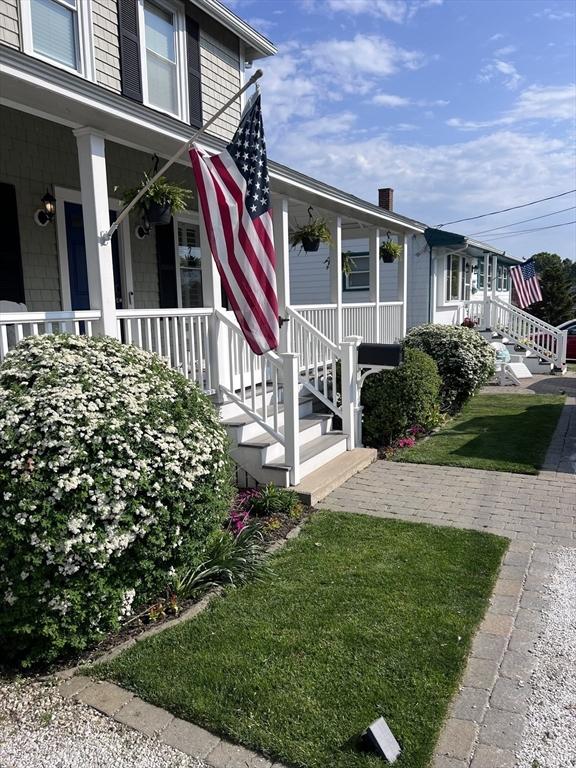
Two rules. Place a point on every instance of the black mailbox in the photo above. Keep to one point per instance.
(384, 355)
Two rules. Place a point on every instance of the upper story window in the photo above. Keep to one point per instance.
(58, 31)
(359, 278)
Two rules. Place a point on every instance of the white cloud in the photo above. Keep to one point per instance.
(497, 36)
(506, 51)
(397, 11)
(554, 15)
(265, 26)
(504, 70)
(390, 100)
(548, 103)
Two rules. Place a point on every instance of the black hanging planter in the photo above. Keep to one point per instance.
(310, 244)
(158, 213)
(388, 258)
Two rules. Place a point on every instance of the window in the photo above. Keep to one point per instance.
(189, 263)
(58, 31)
(458, 278)
(359, 278)
(163, 57)
(502, 283)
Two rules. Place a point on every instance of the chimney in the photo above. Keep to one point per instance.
(386, 198)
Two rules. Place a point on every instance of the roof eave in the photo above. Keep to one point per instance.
(258, 46)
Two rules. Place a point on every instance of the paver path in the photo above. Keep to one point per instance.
(538, 514)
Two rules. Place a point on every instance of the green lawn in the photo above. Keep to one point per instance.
(510, 433)
(364, 617)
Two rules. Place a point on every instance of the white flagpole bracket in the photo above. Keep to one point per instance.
(106, 236)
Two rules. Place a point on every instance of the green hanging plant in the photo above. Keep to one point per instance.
(310, 235)
(161, 200)
(390, 251)
(348, 263)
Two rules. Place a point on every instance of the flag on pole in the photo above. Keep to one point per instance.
(234, 193)
(526, 284)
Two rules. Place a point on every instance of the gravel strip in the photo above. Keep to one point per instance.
(41, 729)
(549, 738)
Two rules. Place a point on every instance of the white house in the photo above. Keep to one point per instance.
(89, 92)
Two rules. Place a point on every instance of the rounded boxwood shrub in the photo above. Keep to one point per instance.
(401, 398)
(113, 471)
(465, 360)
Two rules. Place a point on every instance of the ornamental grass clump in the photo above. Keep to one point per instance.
(465, 360)
(114, 471)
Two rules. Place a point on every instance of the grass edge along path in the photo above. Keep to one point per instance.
(506, 433)
(364, 617)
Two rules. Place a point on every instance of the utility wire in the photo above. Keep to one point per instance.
(522, 221)
(535, 229)
(505, 210)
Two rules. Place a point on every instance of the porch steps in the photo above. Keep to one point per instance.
(318, 484)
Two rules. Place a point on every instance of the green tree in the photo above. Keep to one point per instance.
(558, 299)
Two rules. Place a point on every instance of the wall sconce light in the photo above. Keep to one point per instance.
(47, 213)
(142, 230)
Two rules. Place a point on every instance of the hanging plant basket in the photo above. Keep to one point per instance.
(389, 251)
(310, 244)
(309, 236)
(158, 213)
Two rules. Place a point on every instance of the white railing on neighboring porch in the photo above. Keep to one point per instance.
(529, 332)
(382, 325)
(181, 336)
(14, 326)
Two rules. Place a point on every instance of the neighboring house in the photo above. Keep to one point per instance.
(90, 90)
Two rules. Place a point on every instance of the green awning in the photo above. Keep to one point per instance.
(438, 238)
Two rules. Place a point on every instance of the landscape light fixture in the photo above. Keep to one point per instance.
(47, 213)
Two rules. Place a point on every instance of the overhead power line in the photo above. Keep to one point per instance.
(522, 221)
(505, 210)
(535, 229)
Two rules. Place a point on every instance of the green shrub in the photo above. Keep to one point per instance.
(401, 398)
(272, 500)
(113, 472)
(465, 360)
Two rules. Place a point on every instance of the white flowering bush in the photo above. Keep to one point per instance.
(465, 360)
(113, 472)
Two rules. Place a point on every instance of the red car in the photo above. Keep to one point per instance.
(570, 326)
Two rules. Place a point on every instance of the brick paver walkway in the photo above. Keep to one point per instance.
(538, 514)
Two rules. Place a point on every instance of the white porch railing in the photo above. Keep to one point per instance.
(475, 310)
(14, 326)
(181, 336)
(357, 320)
(529, 332)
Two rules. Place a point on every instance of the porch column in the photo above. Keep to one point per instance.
(96, 217)
(487, 320)
(282, 247)
(494, 286)
(336, 273)
(403, 283)
(374, 248)
(212, 297)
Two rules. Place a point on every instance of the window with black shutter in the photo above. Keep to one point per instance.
(11, 279)
(130, 64)
(194, 82)
(166, 265)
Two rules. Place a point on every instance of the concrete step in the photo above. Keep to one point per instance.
(318, 484)
(315, 454)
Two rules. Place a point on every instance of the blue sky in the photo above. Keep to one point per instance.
(462, 106)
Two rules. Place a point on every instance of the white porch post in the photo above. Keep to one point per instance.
(96, 217)
(291, 366)
(403, 283)
(494, 286)
(282, 247)
(374, 248)
(487, 319)
(212, 297)
(349, 349)
(336, 273)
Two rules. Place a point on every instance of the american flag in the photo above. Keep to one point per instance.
(234, 192)
(526, 284)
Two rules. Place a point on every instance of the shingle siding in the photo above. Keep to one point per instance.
(106, 47)
(220, 69)
(9, 28)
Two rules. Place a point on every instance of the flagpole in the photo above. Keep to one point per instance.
(105, 236)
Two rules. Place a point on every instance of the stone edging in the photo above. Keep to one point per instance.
(126, 708)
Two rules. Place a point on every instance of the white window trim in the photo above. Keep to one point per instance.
(352, 289)
(187, 217)
(177, 10)
(87, 64)
(65, 195)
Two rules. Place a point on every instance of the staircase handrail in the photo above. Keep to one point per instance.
(293, 314)
(532, 318)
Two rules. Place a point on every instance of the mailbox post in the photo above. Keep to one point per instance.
(373, 358)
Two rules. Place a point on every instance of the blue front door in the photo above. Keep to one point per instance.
(77, 270)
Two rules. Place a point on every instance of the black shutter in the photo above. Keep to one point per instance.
(129, 49)
(193, 56)
(11, 279)
(166, 265)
